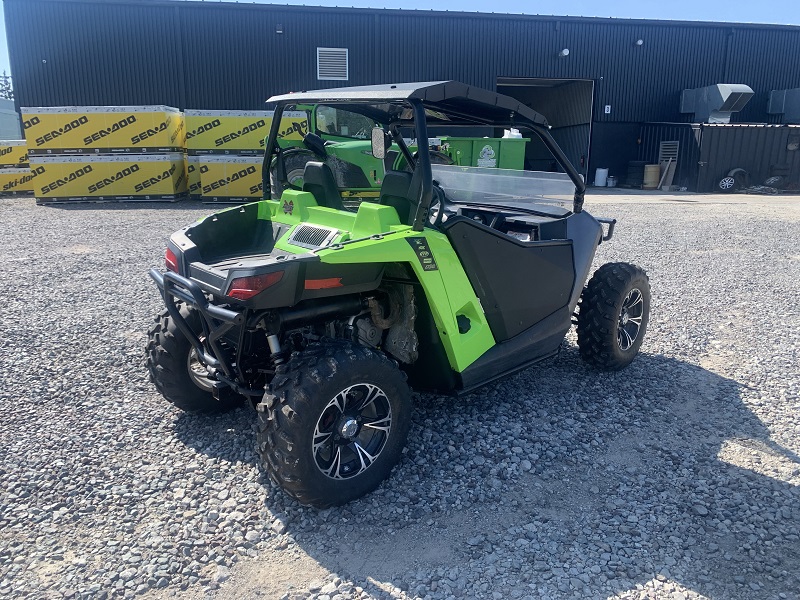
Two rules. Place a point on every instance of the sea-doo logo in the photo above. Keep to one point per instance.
(225, 181)
(203, 128)
(138, 139)
(140, 187)
(100, 134)
(52, 187)
(49, 137)
(301, 128)
(237, 134)
(116, 177)
(255, 189)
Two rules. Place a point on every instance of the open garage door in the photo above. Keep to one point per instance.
(567, 104)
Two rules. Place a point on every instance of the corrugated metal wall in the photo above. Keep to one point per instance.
(761, 150)
(688, 137)
(211, 55)
(708, 152)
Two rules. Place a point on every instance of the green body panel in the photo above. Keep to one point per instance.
(446, 286)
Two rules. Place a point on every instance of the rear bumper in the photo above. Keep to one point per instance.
(216, 322)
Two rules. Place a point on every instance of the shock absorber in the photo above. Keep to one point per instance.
(276, 352)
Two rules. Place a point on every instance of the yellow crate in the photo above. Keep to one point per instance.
(237, 132)
(193, 176)
(231, 178)
(103, 129)
(13, 153)
(15, 181)
(124, 177)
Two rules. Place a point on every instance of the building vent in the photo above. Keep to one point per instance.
(332, 63)
(786, 103)
(715, 103)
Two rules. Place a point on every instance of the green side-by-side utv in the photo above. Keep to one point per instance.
(325, 318)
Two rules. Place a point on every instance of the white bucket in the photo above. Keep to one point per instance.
(612, 181)
(600, 177)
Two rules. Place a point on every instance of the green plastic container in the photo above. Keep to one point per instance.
(502, 153)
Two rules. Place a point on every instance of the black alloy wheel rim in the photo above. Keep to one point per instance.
(630, 319)
(352, 431)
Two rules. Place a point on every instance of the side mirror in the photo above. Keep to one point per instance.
(378, 143)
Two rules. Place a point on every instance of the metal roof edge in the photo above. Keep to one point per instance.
(428, 13)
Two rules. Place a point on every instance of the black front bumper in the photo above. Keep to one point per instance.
(216, 322)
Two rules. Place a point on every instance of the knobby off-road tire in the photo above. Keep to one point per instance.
(333, 423)
(169, 356)
(613, 315)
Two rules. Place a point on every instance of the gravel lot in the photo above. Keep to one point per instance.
(676, 478)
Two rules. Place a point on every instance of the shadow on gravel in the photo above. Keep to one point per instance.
(652, 476)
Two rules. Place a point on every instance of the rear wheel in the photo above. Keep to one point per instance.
(176, 370)
(333, 423)
(613, 315)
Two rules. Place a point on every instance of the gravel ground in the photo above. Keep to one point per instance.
(678, 477)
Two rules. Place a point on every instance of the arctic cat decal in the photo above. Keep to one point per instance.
(423, 252)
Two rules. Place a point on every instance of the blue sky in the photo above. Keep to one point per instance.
(786, 12)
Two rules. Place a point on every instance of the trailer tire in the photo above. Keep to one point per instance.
(169, 361)
(316, 440)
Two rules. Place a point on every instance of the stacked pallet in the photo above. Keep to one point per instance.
(225, 151)
(106, 153)
(15, 172)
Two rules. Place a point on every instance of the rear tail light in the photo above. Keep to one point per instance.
(244, 288)
(171, 260)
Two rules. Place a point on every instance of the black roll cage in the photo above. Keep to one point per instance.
(423, 161)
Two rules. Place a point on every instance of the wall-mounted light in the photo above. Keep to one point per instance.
(564, 53)
(279, 28)
(638, 42)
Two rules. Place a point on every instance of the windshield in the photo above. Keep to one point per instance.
(487, 185)
(343, 123)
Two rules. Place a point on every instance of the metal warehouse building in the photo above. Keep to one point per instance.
(607, 86)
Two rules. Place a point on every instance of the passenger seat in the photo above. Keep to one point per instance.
(319, 180)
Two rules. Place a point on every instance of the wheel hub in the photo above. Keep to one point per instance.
(348, 428)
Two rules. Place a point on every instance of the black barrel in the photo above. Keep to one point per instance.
(635, 176)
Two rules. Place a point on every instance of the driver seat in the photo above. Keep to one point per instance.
(319, 180)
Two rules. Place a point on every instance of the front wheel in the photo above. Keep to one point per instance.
(333, 423)
(614, 310)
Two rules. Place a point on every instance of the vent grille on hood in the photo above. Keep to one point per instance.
(312, 236)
